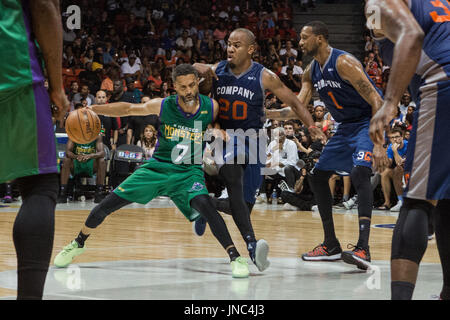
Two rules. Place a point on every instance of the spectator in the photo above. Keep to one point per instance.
(108, 82)
(405, 103)
(74, 87)
(185, 44)
(83, 94)
(119, 94)
(137, 94)
(282, 158)
(296, 70)
(136, 124)
(148, 141)
(374, 71)
(396, 153)
(291, 80)
(109, 124)
(130, 68)
(288, 51)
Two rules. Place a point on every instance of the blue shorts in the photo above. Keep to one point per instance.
(427, 166)
(349, 147)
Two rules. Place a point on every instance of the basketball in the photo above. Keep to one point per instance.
(83, 126)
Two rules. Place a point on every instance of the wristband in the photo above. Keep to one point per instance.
(309, 128)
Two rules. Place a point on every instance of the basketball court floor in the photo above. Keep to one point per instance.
(150, 252)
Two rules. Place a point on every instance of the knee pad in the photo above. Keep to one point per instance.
(110, 204)
(410, 237)
(96, 217)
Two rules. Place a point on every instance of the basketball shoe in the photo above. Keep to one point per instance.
(65, 257)
(358, 256)
(258, 251)
(239, 268)
(322, 253)
(199, 226)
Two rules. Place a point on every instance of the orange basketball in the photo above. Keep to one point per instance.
(83, 126)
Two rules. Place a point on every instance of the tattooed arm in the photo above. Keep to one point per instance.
(351, 70)
(281, 114)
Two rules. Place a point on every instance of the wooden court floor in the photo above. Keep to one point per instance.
(143, 233)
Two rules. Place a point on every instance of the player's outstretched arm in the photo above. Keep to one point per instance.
(304, 96)
(281, 114)
(273, 83)
(399, 25)
(123, 109)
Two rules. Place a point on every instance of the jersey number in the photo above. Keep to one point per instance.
(334, 100)
(184, 149)
(224, 106)
(434, 15)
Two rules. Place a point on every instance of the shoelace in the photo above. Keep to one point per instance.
(319, 250)
(357, 250)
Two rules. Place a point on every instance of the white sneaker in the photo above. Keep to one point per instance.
(315, 208)
(350, 203)
(284, 186)
(397, 207)
(261, 198)
(224, 194)
(289, 207)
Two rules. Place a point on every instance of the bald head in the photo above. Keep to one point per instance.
(249, 36)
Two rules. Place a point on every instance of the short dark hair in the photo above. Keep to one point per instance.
(183, 69)
(288, 123)
(397, 129)
(319, 28)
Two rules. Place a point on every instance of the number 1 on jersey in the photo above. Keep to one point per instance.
(334, 100)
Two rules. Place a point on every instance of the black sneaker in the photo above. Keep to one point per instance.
(99, 196)
(199, 226)
(358, 256)
(322, 253)
(62, 198)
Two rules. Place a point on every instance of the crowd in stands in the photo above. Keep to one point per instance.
(125, 51)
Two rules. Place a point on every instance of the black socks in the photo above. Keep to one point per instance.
(81, 239)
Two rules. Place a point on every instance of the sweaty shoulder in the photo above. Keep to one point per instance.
(270, 79)
(346, 65)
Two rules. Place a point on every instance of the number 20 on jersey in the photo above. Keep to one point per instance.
(238, 109)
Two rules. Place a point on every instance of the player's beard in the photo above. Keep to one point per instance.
(313, 52)
(190, 101)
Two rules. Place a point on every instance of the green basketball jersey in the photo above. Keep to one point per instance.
(180, 135)
(21, 63)
(86, 148)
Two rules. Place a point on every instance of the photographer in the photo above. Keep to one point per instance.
(301, 197)
(282, 157)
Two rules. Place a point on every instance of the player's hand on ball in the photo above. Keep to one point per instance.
(62, 104)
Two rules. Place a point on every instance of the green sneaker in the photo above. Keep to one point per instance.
(239, 268)
(65, 257)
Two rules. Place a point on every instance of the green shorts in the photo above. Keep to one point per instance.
(27, 137)
(156, 178)
(86, 167)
